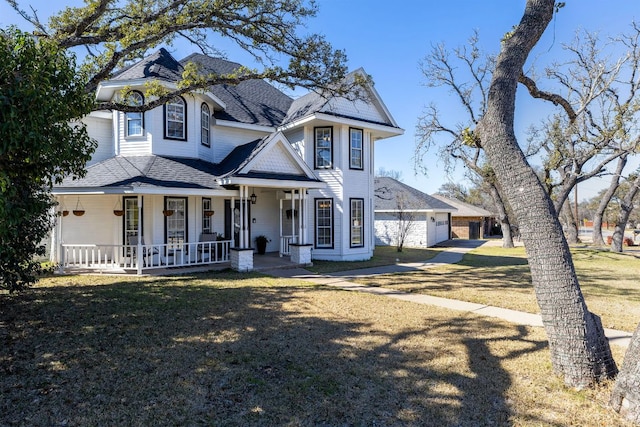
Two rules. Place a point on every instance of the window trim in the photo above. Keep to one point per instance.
(202, 125)
(125, 199)
(126, 117)
(351, 219)
(184, 122)
(206, 219)
(351, 166)
(315, 147)
(315, 213)
(186, 219)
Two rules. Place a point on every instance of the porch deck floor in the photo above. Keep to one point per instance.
(266, 262)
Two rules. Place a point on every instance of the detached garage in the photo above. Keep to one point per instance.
(468, 221)
(402, 212)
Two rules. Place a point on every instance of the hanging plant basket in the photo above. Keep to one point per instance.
(79, 210)
(208, 213)
(167, 212)
(64, 213)
(117, 209)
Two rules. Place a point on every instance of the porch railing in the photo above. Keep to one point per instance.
(124, 257)
(285, 242)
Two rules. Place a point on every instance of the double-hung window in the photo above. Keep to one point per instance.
(205, 122)
(175, 119)
(357, 218)
(176, 222)
(324, 223)
(134, 121)
(356, 150)
(206, 219)
(323, 148)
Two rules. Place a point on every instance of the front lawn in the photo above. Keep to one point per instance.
(382, 255)
(500, 277)
(229, 349)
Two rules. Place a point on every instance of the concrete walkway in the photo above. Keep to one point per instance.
(452, 254)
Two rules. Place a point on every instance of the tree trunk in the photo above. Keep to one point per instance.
(625, 211)
(579, 350)
(505, 224)
(606, 198)
(625, 397)
(571, 226)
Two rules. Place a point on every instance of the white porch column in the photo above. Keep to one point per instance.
(280, 223)
(305, 227)
(233, 225)
(247, 243)
(139, 249)
(300, 217)
(241, 219)
(293, 216)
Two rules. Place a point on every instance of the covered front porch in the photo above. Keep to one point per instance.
(100, 232)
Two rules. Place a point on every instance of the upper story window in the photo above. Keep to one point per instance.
(323, 148)
(134, 122)
(355, 144)
(205, 125)
(175, 119)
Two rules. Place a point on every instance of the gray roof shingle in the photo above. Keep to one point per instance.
(147, 171)
(464, 209)
(160, 65)
(389, 192)
(252, 101)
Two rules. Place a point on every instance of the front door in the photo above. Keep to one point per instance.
(232, 220)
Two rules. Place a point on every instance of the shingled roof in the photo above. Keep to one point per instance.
(464, 209)
(388, 192)
(147, 171)
(252, 101)
(159, 65)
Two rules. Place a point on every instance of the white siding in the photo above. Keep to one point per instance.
(102, 131)
(98, 225)
(277, 160)
(225, 139)
(386, 226)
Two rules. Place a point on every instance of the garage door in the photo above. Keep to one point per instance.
(442, 227)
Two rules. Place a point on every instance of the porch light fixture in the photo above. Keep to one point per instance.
(433, 219)
(253, 198)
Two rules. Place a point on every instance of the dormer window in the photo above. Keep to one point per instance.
(134, 122)
(205, 125)
(175, 119)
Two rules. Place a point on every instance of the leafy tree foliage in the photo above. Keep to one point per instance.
(115, 33)
(40, 95)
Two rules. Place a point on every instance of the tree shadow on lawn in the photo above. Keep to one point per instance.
(184, 352)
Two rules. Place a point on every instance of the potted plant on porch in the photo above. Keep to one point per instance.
(261, 243)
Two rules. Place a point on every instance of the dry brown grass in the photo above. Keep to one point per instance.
(237, 350)
(500, 277)
(383, 255)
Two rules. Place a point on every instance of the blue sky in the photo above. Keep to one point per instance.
(388, 39)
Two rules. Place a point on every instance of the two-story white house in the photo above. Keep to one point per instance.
(197, 180)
